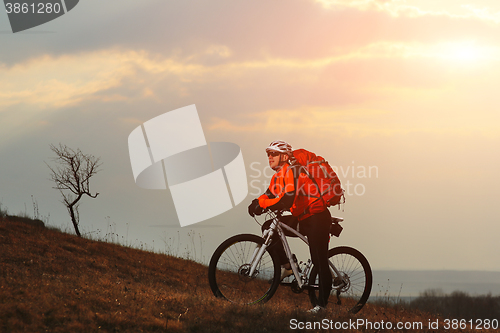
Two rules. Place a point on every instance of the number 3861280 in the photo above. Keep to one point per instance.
(39, 8)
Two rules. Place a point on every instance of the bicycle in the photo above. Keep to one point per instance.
(243, 270)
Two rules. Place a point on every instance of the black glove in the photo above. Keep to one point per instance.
(255, 208)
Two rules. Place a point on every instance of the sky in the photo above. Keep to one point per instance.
(401, 97)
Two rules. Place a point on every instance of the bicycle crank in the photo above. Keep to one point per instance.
(342, 283)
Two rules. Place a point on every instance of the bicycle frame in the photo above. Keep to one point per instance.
(278, 226)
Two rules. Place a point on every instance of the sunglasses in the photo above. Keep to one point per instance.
(273, 154)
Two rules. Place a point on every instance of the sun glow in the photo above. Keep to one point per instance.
(466, 52)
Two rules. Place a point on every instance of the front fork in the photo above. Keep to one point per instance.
(259, 251)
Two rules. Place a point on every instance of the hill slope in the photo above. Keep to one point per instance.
(56, 282)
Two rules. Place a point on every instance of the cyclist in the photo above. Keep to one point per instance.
(284, 194)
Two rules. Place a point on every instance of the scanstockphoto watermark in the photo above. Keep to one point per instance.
(353, 177)
(364, 324)
(358, 324)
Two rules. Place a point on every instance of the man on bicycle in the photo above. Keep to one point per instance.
(284, 194)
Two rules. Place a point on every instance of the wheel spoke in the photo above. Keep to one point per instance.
(230, 266)
(355, 270)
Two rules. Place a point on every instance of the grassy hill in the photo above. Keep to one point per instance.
(55, 282)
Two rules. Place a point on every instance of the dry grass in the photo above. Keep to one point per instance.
(56, 282)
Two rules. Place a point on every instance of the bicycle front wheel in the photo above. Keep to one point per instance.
(353, 285)
(229, 271)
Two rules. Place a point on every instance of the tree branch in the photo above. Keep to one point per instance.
(72, 173)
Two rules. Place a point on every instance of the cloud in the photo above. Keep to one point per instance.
(351, 122)
(309, 119)
(54, 82)
(220, 30)
(337, 85)
(51, 83)
(480, 10)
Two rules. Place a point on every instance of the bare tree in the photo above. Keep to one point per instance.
(72, 175)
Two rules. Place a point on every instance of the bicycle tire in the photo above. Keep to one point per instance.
(229, 266)
(356, 268)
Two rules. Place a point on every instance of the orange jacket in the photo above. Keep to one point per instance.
(281, 191)
(284, 193)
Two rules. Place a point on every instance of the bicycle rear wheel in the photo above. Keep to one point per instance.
(355, 269)
(229, 271)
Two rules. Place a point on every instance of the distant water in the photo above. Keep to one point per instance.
(409, 285)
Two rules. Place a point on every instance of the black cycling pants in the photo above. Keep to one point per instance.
(317, 230)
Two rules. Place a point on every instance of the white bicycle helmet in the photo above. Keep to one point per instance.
(280, 146)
